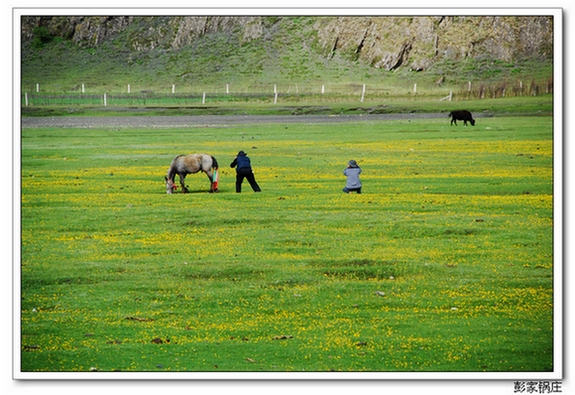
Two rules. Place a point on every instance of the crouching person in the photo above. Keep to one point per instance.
(352, 172)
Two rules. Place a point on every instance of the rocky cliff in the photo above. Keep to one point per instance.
(387, 43)
(392, 42)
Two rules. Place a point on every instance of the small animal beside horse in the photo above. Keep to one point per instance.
(182, 165)
(461, 115)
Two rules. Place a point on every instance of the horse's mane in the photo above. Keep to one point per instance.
(172, 170)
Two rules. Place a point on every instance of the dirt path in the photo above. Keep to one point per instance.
(207, 120)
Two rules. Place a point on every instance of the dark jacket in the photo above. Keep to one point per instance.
(242, 162)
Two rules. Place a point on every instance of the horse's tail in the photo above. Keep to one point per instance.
(214, 163)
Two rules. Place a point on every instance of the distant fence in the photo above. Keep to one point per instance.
(505, 89)
(291, 94)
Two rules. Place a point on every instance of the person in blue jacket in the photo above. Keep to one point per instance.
(352, 172)
(244, 170)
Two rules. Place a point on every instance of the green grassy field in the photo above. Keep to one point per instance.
(444, 263)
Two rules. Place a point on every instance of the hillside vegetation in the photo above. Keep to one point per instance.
(255, 53)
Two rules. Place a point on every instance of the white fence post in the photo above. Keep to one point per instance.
(37, 88)
(322, 89)
(173, 88)
(275, 94)
(105, 100)
(414, 88)
(363, 93)
(448, 97)
(83, 88)
(128, 88)
(228, 89)
(26, 98)
(204, 98)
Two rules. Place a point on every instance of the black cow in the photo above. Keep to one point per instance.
(462, 115)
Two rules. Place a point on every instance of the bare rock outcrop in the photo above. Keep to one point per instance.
(383, 42)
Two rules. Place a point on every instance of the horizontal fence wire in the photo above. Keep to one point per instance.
(289, 94)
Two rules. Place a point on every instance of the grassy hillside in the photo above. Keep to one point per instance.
(287, 54)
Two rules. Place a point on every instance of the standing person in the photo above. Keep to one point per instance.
(352, 172)
(244, 170)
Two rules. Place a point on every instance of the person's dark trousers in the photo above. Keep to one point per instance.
(246, 173)
(349, 190)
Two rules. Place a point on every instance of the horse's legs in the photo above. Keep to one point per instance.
(210, 174)
(182, 182)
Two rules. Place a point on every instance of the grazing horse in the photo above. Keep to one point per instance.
(182, 165)
(462, 115)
